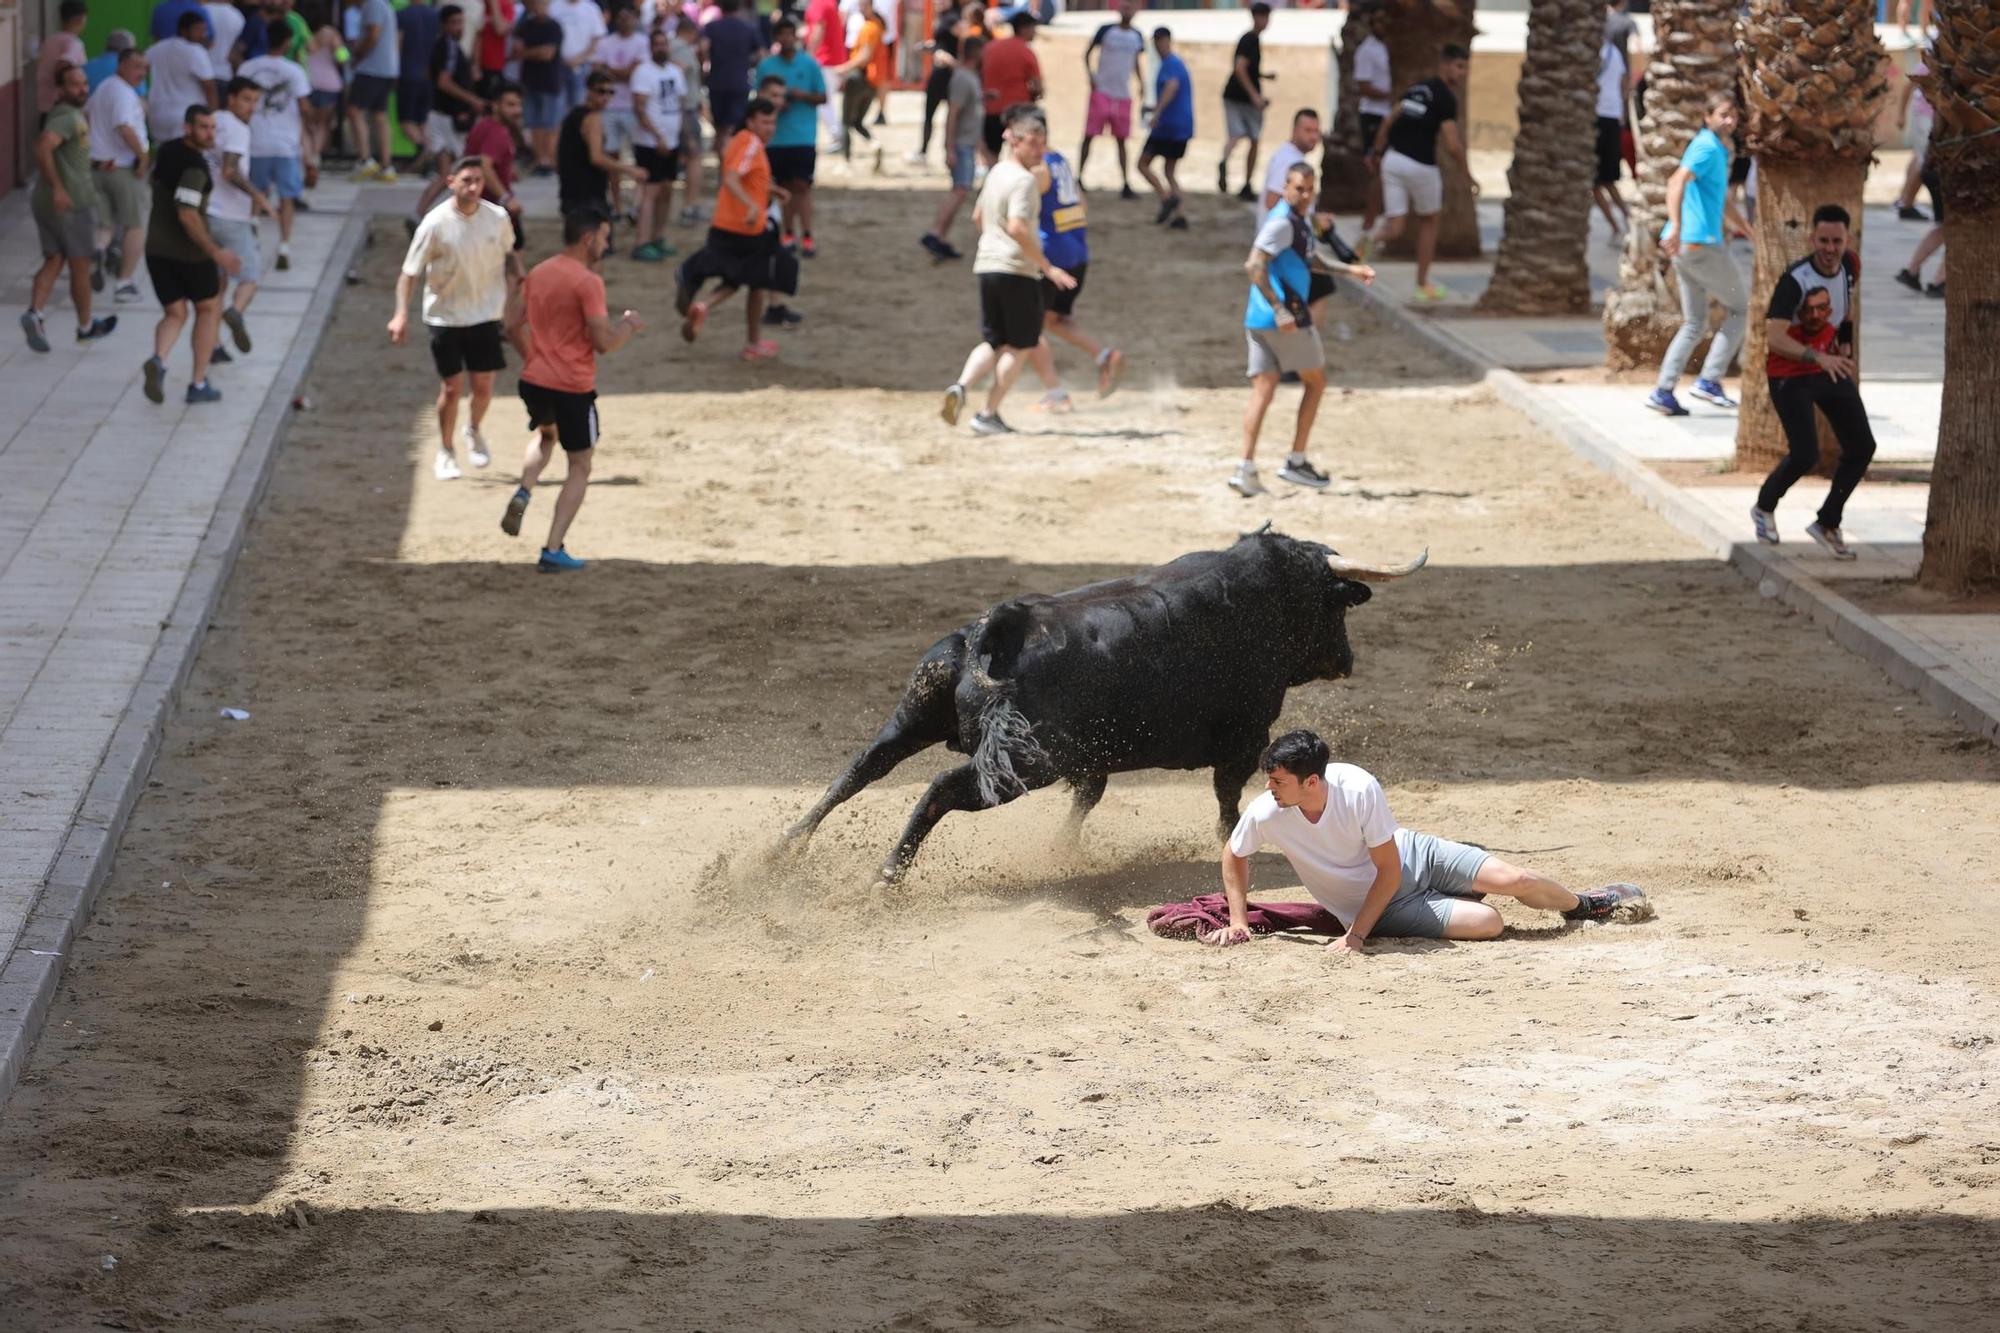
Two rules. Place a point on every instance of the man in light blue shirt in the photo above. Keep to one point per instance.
(1698, 218)
(375, 68)
(794, 145)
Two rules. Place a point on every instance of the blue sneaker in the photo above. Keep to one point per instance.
(558, 560)
(204, 392)
(1664, 402)
(31, 326)
(99, 328)
(1709, 391)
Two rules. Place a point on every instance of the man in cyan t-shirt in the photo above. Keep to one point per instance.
(1699, 217)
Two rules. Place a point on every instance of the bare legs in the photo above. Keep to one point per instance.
(207, 317)
(1262, 389)
(570, 499)
(1530, 888)
(44, 286)
(1005, 364)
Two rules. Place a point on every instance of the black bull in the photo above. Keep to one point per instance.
(1181, 666)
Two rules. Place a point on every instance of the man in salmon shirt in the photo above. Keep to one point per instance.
(560, 327)
(742, 245)
(1011, 75)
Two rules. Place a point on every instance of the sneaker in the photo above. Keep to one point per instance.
(284, 260)
(1709, 391)
(1430, 294)
(1664, 402)
(652, 252)
(445, 467)
(989, 423)
(762, 350)
(1178, 224)
(1626, 901)
(1109, 368)
(97, 272)
(475, 448)
(1765, 524)
(1246, 194)
(783, 317)
(1911, 213)
(1301, 472)
(1127, 192)
(155, 371)
(239, 332)
(954, 403)
(1830, 539)
(683, 292)
(517, 508)
(689, 216)
(808, 248)
(220, 356)
(1934, 289)
(127, 293)
(203, 392)
(697, 315)
(32, 328)
(1167, 207)
(932, 244)
(1056, 400)
(557, 561)
(913, 158)
(366, 170)
(99, 328)
(1222, 178)
(1910, 280)
(1246, 483)
(387, 176)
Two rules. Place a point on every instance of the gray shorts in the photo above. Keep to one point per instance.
(1242, 120)
(1436, 874)
(239, 238)
(71, 235)
(1284, 351)
(123, 197)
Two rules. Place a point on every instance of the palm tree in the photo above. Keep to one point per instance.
(1814, 77)
(1415, 31)
(1694, 59)
(1541, 268)
(1962, 530)
(1343, 175)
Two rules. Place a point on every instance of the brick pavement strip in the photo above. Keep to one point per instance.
(135, 595)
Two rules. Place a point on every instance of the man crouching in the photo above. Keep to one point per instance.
(1333, 824)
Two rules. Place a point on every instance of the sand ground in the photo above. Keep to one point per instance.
(452, 990)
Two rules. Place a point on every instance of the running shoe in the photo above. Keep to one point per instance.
(475, 448)
(808, 248)
(387, 176)
(1664, 402)
(366, 170)
(558, 561)
(1167, 207)
(1127, 192)
(155, 371)
(1910, 213)
(1109, 367)
(1710, 391)
(1178, 224)
(1222, 178)
(1246, 483)
(1624, 900)
(762, 350)
(935, 246)
(1765, 524)
(697, 315)
(652, 252)
(683, 293)
(100, 327)
(284, 260)
(97, 271)
(220, 356)
(517, 508)
(204, 392)
(954, 403)
(239, 332)
(1830, 538)
(1934, 289)
(1430, 294)
(782, 317)
(1910, 280)
(1246, 194)
(127, 293)
(914, 158)
(1301, 472)
(444, 467)
(989, 423)
(1056, 400)
(37, 335)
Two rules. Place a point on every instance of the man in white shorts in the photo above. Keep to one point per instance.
(234, 204)
(1120, 48)
(1332, 822)
(1405, 153)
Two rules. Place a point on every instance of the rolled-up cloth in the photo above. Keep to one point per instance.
(1184, 921)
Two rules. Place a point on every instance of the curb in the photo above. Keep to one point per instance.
(32, 972)
(1905, 661)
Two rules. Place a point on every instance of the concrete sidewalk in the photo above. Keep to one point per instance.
(1679, 465)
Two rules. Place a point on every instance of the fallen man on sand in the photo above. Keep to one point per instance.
(1333, 824)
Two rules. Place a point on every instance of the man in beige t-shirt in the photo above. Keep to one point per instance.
(1010, 266)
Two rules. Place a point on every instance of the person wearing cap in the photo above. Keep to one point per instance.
(1009, 74)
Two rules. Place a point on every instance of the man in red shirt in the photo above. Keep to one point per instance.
(742, 245)
(560, 327)
(1010, 75)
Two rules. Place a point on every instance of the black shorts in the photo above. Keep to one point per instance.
(574, 415)
(1369, 127)
(993, 130)
(414, 99)
(1739, 168)
(520, 237)
(370, 92)
(181, 280)
(792, 165)
(1319, 286)
(1610, 149)
(1170, 149)
(727, 111)
(1010, 310)
(474, 347)
(1063, 302)
(661, 164)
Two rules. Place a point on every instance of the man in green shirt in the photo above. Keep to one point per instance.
(65, 207)
(183, 260)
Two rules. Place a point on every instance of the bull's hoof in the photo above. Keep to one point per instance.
(791, 847)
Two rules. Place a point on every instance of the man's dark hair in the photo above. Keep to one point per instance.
(1163, 31)
(237, 85)
(971, 47)
(1832, 213)
(502, 88)
(784, 24)
(581, 222)
(186, 23)
(1300, 753)
(770, 81)
(446, 12)
(760, 106)
(1453, 51)
(470, 162)
(1300, 169)
(195, 111)
(72, 10)
(129, 53)
(1259, 9)
(1303, 113)
(599, 79)
(729, 6)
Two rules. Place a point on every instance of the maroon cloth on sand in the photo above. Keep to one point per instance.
(1183, 921)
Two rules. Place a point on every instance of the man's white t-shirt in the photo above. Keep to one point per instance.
(1009, 192)
(274, 125)
(582, 24)
(1118, 51)
(1330, 856)
(1371, 66)
(466, 259)
(664, 88)
(1282, 161)
(225, 25)
(179, 68)
(115, 103)
(615, 52)
(225, 200)
(1610, 83)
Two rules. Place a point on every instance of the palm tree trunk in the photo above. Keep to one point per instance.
(1541, 268)
(1343, 171)
(1694, 58)
(1415, 33)
(1962, 531)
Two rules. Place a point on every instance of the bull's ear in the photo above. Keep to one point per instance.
(1349, 592)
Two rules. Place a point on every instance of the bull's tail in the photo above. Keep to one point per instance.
(1006, 742)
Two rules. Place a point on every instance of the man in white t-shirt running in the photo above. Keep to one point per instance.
(1120, 67)
(1333, 824)
(234, 205)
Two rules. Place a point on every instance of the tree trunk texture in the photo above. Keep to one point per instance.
(1415, 31)
(1541, 268)
(1694, 57)
(1788, 190)
(1962, 530)
(1343, 168)
(1814, 77)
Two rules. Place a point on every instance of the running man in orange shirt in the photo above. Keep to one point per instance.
(742, 245)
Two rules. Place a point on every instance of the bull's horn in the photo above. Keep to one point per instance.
(1354, 569)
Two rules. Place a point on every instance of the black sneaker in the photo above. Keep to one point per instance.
(1909, 213)
(1222, 178)
(1247, 195)
(1301, 472)
(1935, 289)
(1167, 207)
(1910, 280)
(933, 245)
(220, 356)
(1178, 224)
(683, 294)
(782, 316)
(1127, 192)
(1626, 902)
(99, 328)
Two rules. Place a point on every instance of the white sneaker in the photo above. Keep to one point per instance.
(126, 293)
(475, 448)
(1246, 482)
(446, 467)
